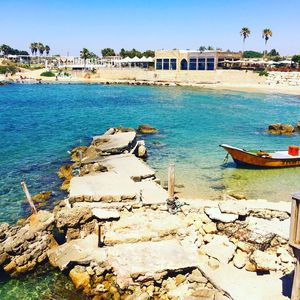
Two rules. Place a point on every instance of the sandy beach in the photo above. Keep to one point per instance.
(228, 80)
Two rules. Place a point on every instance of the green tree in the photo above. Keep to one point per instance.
(85, 54)
(47, 49)
(5, 49)
(266, 34)
(122, 53)
(296, 59)
(245, 33)
(252, 54)
(210, 48)
(108, 52)
(149, 53)
(273, 52)
(202, 48)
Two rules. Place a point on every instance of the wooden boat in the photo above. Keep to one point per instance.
(262, 159)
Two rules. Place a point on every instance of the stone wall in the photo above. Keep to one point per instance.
(284, 78)
(218, 76)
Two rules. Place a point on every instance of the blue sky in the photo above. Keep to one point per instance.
(69, 25)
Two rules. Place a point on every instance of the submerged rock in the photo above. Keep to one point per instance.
(147, 129)
(43, 196)
(65, 172)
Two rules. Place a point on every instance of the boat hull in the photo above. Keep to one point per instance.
(248, 160)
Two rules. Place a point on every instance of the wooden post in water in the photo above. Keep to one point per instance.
(28, 197)
(295, 243)
(171, 180)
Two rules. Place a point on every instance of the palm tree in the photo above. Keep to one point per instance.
(266, 34)
(33, 47)
(245, 32)
(47, 49)
(41, 48)
(85, 54)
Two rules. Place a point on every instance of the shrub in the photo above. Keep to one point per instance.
(48, 74)
(263, 73)
(8, 69)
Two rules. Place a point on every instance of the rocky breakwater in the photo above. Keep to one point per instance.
(117, 238)
(23, 247)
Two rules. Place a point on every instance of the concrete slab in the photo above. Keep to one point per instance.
(105, 186)
(125, 164)
(152, 193)
(142, 226)
(241, 284)
(149, 259)
(81, 251)
(114, 143)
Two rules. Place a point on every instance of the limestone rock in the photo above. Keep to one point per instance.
(220, 248)
(215, 214)
(80, 277)
(197, 276)
(250, 267)
(147, 129)
(233, 207)
(264, 261)
(240, 259)
(210, 228)
(73, 217)
(179, 279)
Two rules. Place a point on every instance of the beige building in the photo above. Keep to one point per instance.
(192, 60)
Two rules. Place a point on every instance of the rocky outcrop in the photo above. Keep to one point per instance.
(281, 129)
(146, 129)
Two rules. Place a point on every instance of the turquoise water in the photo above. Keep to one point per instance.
(40, 123)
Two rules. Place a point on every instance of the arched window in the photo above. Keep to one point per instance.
(183, 64)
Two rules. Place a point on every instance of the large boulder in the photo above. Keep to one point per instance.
(281, 129)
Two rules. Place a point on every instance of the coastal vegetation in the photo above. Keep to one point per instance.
(48, 74)
(8, 69)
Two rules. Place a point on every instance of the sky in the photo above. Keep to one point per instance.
(69, 25)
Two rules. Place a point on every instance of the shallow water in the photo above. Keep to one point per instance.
(40, 123)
